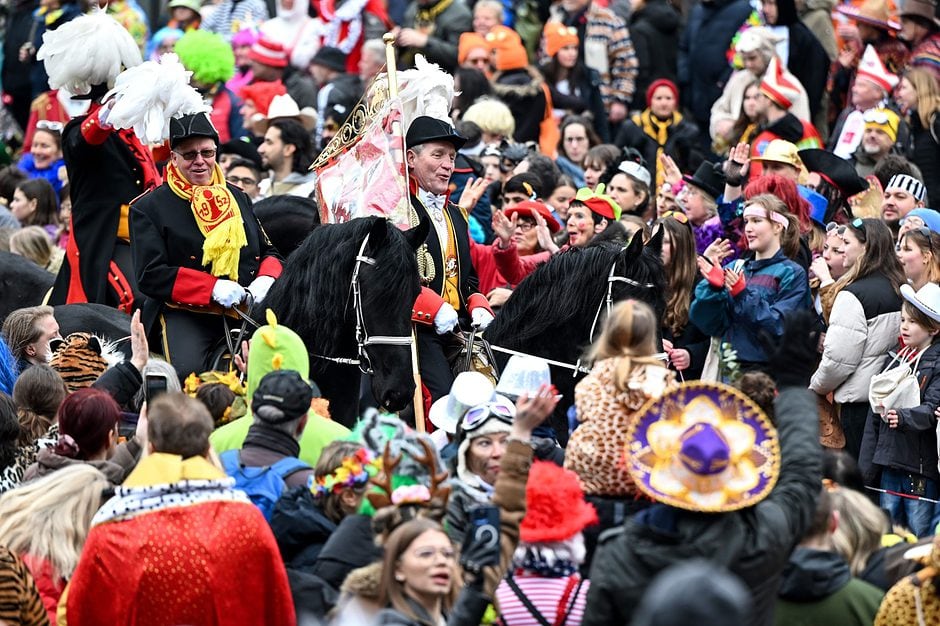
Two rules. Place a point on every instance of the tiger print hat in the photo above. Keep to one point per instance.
(81, 358)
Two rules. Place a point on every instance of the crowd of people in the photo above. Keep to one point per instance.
(755, 424)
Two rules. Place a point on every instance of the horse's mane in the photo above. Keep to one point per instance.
(560, 298)
(312, 296)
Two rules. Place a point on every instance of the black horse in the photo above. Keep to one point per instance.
(22, 283)
(551, 312)
(315, 297)
(287, 220)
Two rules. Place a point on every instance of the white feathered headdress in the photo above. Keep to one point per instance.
(90, 50)
(147, 96)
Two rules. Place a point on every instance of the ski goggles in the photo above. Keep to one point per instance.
(480, 414)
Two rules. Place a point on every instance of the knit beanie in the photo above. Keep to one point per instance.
(470, 41)
(510, 53)
(262, 93)
(883, 119)
(557, 36)
(661, 82)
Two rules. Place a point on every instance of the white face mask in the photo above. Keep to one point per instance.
(48, 354)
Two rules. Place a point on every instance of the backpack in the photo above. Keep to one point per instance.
(262, 485)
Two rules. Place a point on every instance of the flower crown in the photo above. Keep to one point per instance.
(353, 471)
(230, 379)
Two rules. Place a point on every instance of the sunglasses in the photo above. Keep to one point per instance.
(478, 415)
(55, 127)
(858, 224)
(924, 232)
(679, 216)
(208, 153)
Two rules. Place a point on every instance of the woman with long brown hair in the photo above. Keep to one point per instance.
(863, 324)
(919, 97)
(685, 345)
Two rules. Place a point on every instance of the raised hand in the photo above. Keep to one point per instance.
(472, 192)
(503, 227)
(671, 172)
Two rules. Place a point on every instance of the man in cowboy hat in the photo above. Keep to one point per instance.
(197, 254)
(921, 29)
(449, 294)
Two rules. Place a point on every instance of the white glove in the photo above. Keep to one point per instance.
(228, 293)
(446, 319)
(481, 318)
(259, 287)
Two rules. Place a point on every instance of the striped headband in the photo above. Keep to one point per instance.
(755, 210)
(908, 184)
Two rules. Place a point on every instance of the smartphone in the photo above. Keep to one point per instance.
(483, 535)
(155, 384)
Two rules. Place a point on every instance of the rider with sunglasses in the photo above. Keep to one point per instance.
(190, 274)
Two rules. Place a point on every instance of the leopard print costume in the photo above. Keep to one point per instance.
(910, 602)
(12, 476)
(595, 450)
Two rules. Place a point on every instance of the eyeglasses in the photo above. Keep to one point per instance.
(478, 415)
(679, 216)
(208, 153)
(525, 226)
(241, 181)
(427, 554)
(55, 127)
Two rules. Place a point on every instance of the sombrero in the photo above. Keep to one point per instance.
(703, 447)
(872, 12)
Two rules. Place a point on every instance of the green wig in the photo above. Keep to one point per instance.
(206, 55)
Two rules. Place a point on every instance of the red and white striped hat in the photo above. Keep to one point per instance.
(873, 70)
(267, 52)
(779, 86)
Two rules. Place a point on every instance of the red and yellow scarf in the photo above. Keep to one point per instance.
(218, 218)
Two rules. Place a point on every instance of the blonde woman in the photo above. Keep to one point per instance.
(858, 535)
(45, 522)
(919, 97)
(626, 373)
(33, 243)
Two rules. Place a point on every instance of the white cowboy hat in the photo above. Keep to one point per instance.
(523, 374)
(926, 299)
(469, 390)
(284, 106)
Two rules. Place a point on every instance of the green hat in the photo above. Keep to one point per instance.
(275, 347)
(598, 202)
(195, 5)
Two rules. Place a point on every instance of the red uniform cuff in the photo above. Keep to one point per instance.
(270, 266)
(426, 306)
(479, 301)
(92, 130)
(193, 287)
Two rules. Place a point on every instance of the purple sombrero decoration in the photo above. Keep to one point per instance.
(703, 447)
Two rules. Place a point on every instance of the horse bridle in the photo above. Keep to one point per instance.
(363, 338)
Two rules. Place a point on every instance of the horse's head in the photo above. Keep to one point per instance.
(389, 287)
(642, 267)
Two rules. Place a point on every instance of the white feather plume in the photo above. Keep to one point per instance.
(425, 90)
(147, 96)
(90, 50)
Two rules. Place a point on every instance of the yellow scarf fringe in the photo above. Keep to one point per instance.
(218, 217)
(658, 131)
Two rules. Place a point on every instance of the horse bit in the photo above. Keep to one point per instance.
(363, 338)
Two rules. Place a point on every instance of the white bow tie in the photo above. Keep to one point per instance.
(433, 202)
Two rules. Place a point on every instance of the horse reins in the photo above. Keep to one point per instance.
(363, 338)
(609, 301)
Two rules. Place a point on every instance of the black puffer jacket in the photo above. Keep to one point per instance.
(912, 446)
(655, 32)
(925, 153)
(754, 543)
(352, 545)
